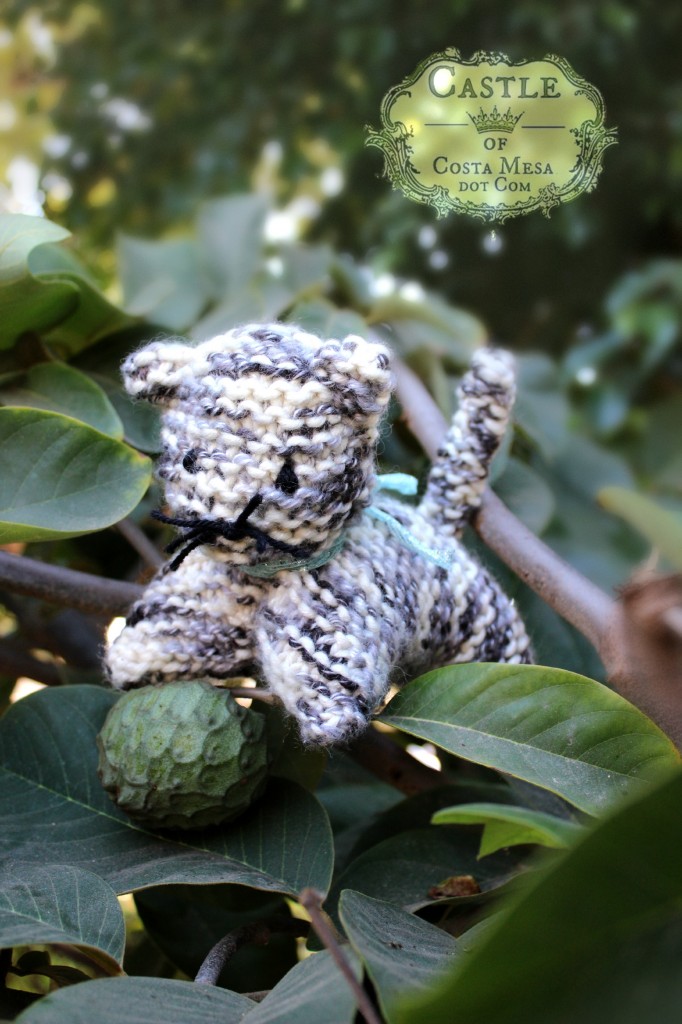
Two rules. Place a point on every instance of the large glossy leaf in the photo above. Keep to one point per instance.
(62, 478)
(526, 494)
(161, 280)
(601, 547)
(102, 362)
(231, 242)
(92, 319)
(305, 269)
(594, 936)
(54, 811)
(57, 387)
(408, 813)
(138, 1000)
(504, 826)
(59, 904)
(313, 992)
(406, 868)
(259, 302)
(26, 302)
(541, 409)
(663, 529)
(327, 321)
(558, 730)
(430, 322)
(402, 953)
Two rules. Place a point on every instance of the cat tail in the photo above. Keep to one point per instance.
(460, 471)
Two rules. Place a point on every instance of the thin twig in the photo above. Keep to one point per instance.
(254, 693)
(312, 901)
(140, 542)
(223, 951)
(53, 583)
(256, 932)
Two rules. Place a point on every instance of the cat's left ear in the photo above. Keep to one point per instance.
(366, 367)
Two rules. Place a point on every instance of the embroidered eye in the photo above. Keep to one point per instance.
(287, 481)
(190, 461)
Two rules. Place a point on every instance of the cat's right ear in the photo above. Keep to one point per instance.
(160, 372)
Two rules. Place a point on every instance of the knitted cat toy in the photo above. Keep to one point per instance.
(291, 564)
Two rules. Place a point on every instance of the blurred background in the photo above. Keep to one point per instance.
(125, 116)
(209, 160)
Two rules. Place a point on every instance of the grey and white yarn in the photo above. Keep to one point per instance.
(268, 454)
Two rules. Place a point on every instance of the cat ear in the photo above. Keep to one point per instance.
(159, 372)
(365, 367)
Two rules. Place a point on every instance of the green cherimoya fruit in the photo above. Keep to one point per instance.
(183, 755)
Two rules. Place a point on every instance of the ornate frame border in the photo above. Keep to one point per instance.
(393, 139)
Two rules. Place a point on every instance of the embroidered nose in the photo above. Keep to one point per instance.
(287, 481)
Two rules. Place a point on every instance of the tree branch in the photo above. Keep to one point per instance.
(140, 542)
(390, 763)
(312, 901)
(57, 585)
(16, 660)
(257, 932)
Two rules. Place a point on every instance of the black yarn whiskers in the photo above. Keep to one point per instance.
(207, 531)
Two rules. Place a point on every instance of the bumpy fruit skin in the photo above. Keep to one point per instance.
(184, 755)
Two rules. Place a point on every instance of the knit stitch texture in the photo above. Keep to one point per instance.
(269, 437)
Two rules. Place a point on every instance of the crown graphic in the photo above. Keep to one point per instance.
(494, 121)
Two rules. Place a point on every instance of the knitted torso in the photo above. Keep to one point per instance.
(269, 439)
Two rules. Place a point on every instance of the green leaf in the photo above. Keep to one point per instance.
(555, 642)
(313, 992)
(57, 387)
(326, 321)
(61, 478)
(92, 319)
(231, 242)
(404, 868)
(558, 730)
(185, 921)
(403, 815)
(102, 362)
(161, 280)
(289, 758)
(429, 322)
(258, 302)
(663, 529)
(402, 953)
(594, 936)
(54, 811)
(305, 269)
(603, 548)
(152, 1000)
(28, 303)
(526, 494)
(48, 294)
(59, 904)
(505, 826)
(541, 409)
(657, 450)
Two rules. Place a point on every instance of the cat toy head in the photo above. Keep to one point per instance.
(268, 437)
